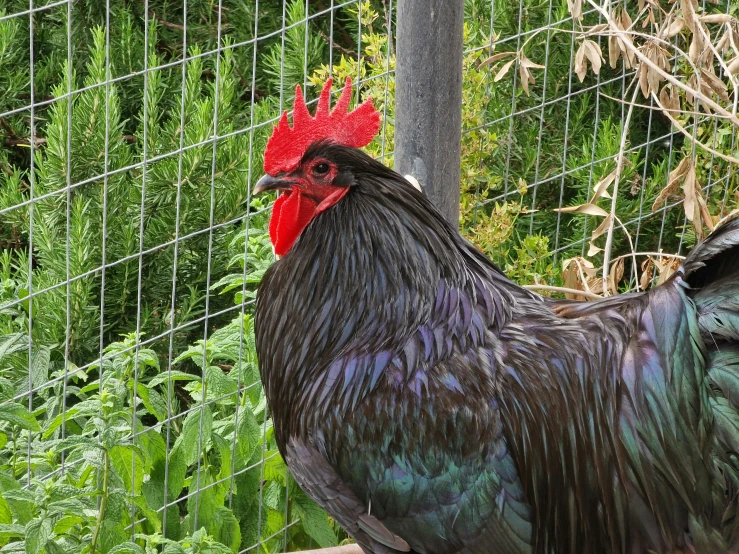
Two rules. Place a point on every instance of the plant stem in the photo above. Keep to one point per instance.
(619, 168)
(103, 504)
(587, 294)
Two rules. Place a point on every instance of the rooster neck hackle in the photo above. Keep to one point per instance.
(344, 290)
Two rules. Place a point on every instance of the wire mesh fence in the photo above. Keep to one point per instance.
(131, 412)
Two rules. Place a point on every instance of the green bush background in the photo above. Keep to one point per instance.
(132, 418)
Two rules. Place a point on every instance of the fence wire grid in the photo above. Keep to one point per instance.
(132, 418)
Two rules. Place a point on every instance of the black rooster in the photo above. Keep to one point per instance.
(430, 405)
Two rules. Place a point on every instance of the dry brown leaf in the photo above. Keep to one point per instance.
(595, 285)
(503, 70)
(665, 267)
(669, 98)
(716, 18)
(630, 57)
(715, 84)
(650, 18)
(688, 8)
(571, 280)
(643, 79)
(690, 204)
(614, 51)
(577, 273)
(601, 187)
(647, 272)
(733, 66)
(677, 175)
(694, 204)
(625, 20)
(588, 50)
(581, 68)
(528, 64)
(575, 9)
(614, 276)
(594, 55)
(524, 68)
(597, 29)
(649, 78)
(496, 58)
(677, 25)
(598, 232)
(696, 47)
(589, 209)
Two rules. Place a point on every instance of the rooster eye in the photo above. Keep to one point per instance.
(321, 168)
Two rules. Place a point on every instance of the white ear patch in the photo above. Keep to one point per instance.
(413, 181)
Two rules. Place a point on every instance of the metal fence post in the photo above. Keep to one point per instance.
(428, 98)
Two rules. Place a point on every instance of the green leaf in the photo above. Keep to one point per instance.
(8, 482)
(172, 375)
(314, 520)
(83, 409)
(40, 363)
(190, 439)
(151, 399)
(274, 467)
(11, 531)
(219, 384)
(5, 515)
(112, 534)
(129, 466)
(177, 472)
(22, 504)
(248, 434)
(127, 548)
(95, 457)
(69, 505)
(226, 528)
(38, 532)
(204, 495)
(19, 415)
(149, 357)
(173, 548)
(10, 344)
(66, 523)
(54, 548)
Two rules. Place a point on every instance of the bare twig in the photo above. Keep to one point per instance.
(20, 141)
(340, 48)
(164, 23)
(614, 194)
(565, 290)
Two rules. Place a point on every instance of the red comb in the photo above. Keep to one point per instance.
(355, 129)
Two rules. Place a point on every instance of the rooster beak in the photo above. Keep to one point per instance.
(270, 183)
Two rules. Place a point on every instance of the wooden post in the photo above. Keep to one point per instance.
(428, 98)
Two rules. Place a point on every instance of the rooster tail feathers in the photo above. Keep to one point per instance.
(721, 248)
(712, 272)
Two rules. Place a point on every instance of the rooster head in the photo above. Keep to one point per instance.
(309, 182)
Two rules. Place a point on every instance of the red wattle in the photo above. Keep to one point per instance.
(290, 215)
